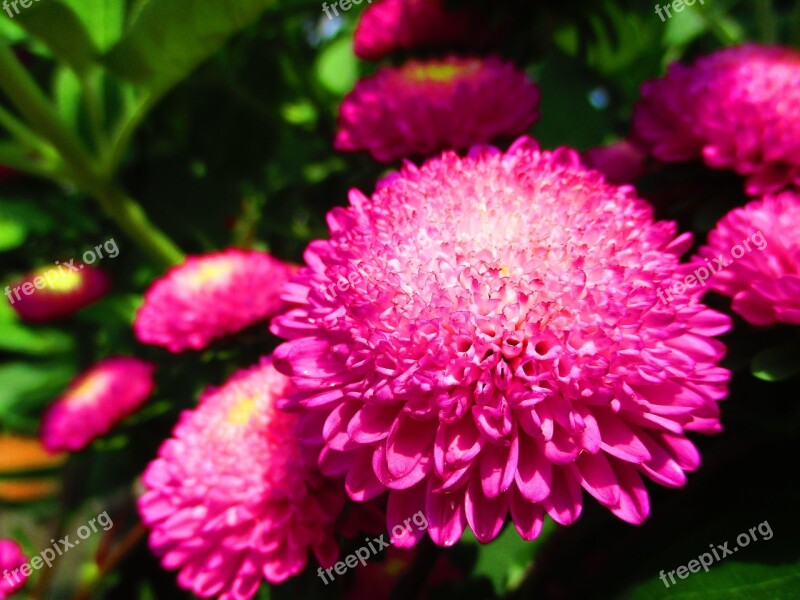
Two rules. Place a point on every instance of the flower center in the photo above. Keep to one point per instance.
(63, 282)
(211, 273)
(442, 73)
(89, 390)
(241, 412)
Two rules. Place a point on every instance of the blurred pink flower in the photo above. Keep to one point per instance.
(234, 497)
(764, 284)
(738, 108)
(55, 292)
(11, 558)
(389, 25)
(210, 296)
(620, 162)
(497, 343)
(423, 107)
(95, 402)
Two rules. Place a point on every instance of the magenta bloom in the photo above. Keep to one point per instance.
(56, 292)
(621, 162)
(11, 559)
(95, 402)
(234, 497)
(484, 335)
(756, 253)
(423, 107)
(389, 25)
(738, 108)
(211, 296)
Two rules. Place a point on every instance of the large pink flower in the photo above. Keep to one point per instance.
(234, 498)
(210, 296)
(755, 252)
(55, 292)
(484, 334)
(738, 108)
(97, 400)
(11, 559)
(424, 107)
(389, 25)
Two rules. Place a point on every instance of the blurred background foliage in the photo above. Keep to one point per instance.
(183, 126)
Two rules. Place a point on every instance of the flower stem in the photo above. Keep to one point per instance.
(82, 169)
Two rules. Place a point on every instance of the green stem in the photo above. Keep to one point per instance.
(29, 100)
(132, 219)
(23, 135)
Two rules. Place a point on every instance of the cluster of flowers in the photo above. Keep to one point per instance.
(515, 359)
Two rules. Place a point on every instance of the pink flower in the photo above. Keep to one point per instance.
(95, 402)
(620, 162)
(423, 107)
(738, 108)
(11, 559)
(389, 25)
(211, 296)
(51, 293)
(234, 497)
(760, 248)
(496, 343)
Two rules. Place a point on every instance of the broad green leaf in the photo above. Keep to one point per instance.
(16, 337)
(777, 363)
(58, 28)
(170, 38)
(26, 388)
(507, 558)
(103, 19)
(337, 68)
(726, 580)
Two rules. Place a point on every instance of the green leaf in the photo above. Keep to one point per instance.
(777, 363)
(57, 26)
(507, 558)
(67, 91)
(12, 234)
(728, 580)
(10, 32)
(170, 38)
(15, 337)
(103, 19)
(27, 387)
(337, 68)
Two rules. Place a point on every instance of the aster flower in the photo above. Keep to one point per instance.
(483, 335)
(423, 107)
(738, 108)
(11, 558)
(211, 296)
(234, 497)
(620, 162)
(756, 253)
(95, 402)
(56, 292)
(389, 25)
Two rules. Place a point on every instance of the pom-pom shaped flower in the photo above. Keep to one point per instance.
(97, 400)
(423, 107)
(484, 335)
(621, 162)
(210, 296)
(389, 25)
(754, 256)
(738, 108)
(11, 559)
(234, 497)
(56, 292)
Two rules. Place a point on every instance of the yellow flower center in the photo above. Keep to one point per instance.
(241, 412)
(60, 280)
(209, 273)
(89, 390)
(443, 73)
